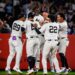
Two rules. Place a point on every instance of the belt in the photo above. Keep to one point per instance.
(16, 36)
(62, 37)
(19, 37)
(33, 37)
(52, 39)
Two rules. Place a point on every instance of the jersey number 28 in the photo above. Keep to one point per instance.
(16, 27)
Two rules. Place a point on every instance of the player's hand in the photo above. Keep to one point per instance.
(35, 25)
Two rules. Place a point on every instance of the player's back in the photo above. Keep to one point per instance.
(29, 28)
(52, 30)
(16, 28)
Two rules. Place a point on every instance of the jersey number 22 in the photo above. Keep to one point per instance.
(53, 29)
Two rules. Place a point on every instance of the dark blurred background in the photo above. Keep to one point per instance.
(9, 9)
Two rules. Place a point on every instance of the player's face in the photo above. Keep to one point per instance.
(59, 18)
(45, 15)
(31, 19)
(23, 18)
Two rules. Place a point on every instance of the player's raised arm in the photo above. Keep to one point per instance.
(40, 31)
(43, 28)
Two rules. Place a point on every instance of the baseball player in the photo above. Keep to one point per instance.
(15, 44)
(45, 14)
(63, 39)
(39, 21)
(50, 31)
(32, 45)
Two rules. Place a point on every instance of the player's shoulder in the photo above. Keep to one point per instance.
(18, 22)
(46, 24)
(15, 21)
(56, 23)
(28, 22)
(52, 23)
(65, 22)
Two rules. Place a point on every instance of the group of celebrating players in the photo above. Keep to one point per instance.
(45, 34)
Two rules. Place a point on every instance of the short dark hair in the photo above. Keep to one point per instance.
(31, 15)
(52, 18)
(61, 15)
(20, 15)
(44, 11)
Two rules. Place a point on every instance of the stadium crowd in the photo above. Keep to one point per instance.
(10, 9)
